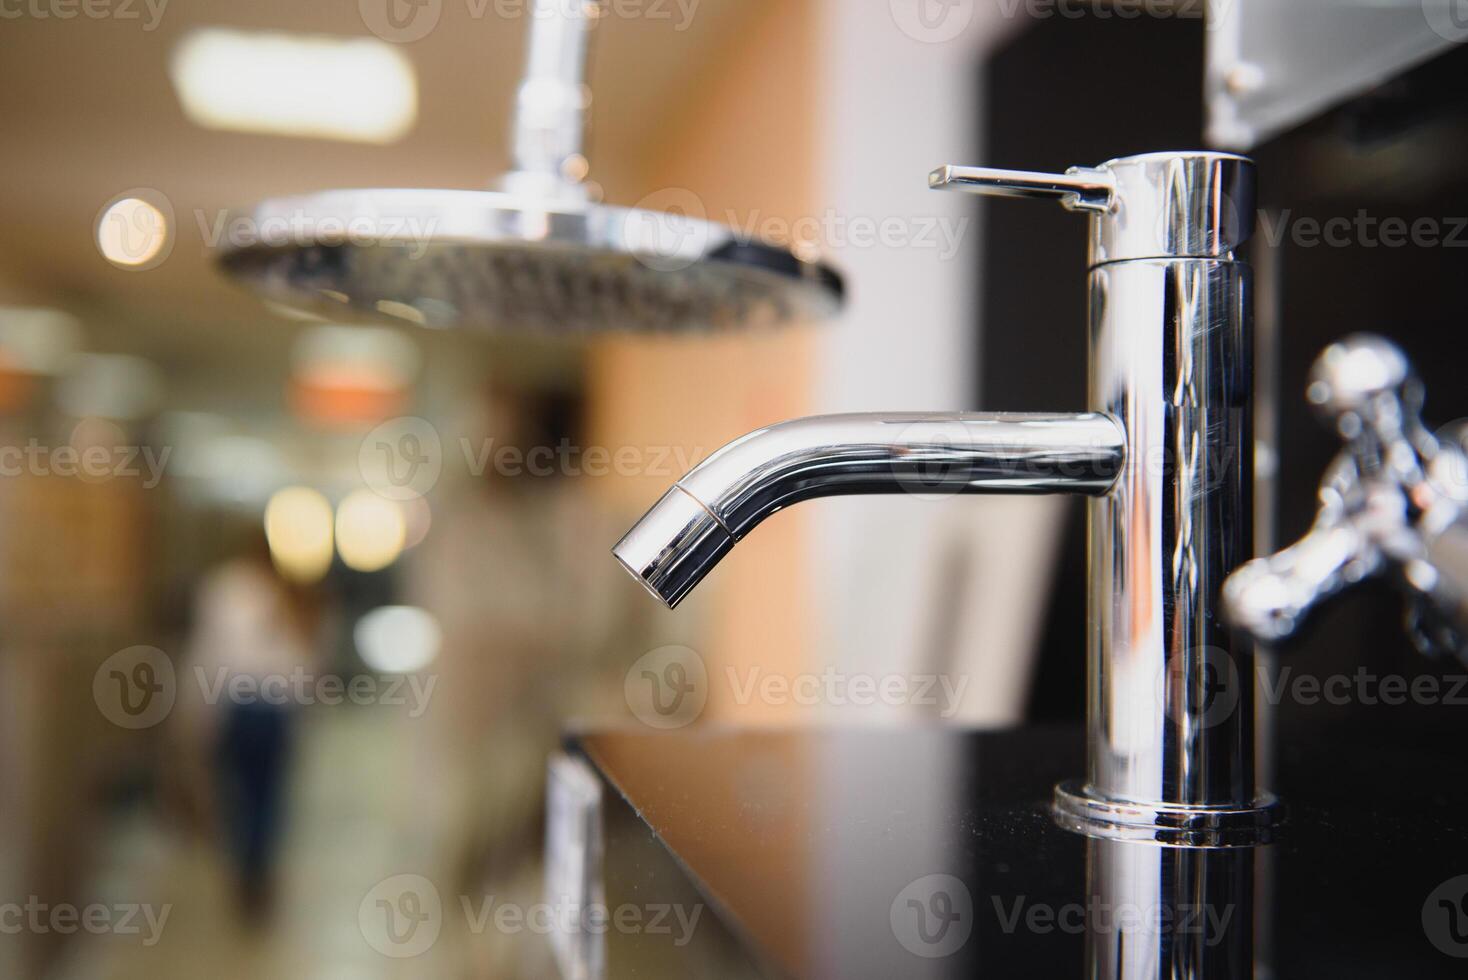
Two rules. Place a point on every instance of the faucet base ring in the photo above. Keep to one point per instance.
(1080, 809)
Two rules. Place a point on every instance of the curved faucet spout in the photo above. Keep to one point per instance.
(717, 503)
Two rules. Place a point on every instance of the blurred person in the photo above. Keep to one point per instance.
(253, 631)
(535, 633)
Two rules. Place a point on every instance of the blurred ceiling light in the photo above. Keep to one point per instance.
(370, 531)
(298, 529)
(398, 639)
(109, 386)
(346, 88)
(352, 374)
(132, 232)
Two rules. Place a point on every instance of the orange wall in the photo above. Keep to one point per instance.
(745, 146)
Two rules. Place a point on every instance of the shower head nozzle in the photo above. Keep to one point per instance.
(444, 258)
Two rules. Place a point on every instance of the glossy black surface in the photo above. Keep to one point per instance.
(807, 847)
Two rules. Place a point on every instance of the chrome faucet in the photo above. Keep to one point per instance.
(1162, 454)
(1394, 502)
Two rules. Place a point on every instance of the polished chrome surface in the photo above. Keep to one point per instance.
(674, 546)
(1171, 723)
(445, 258)
(1188, 206)
(1171, 694)
(1170, 701)
(538, 255)
(720, 501)
(1179, 914)
(550, 105)
(1395, 499)
(1157, 205)
(1080, 809)
(1078, 189)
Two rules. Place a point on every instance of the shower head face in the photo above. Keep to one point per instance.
(496, 261)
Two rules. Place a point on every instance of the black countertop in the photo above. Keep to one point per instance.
(932, 853)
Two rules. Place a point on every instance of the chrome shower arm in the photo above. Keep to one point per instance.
(550, 105)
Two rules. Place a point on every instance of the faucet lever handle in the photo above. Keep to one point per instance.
(1078, 189)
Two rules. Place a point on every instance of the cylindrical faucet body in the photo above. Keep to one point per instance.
(1170, 712)
(1171, 696)
(1171, 693)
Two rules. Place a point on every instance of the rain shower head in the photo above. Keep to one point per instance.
(444, 258)
(537, 256)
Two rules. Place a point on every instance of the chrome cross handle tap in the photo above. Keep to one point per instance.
(1395, 501)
